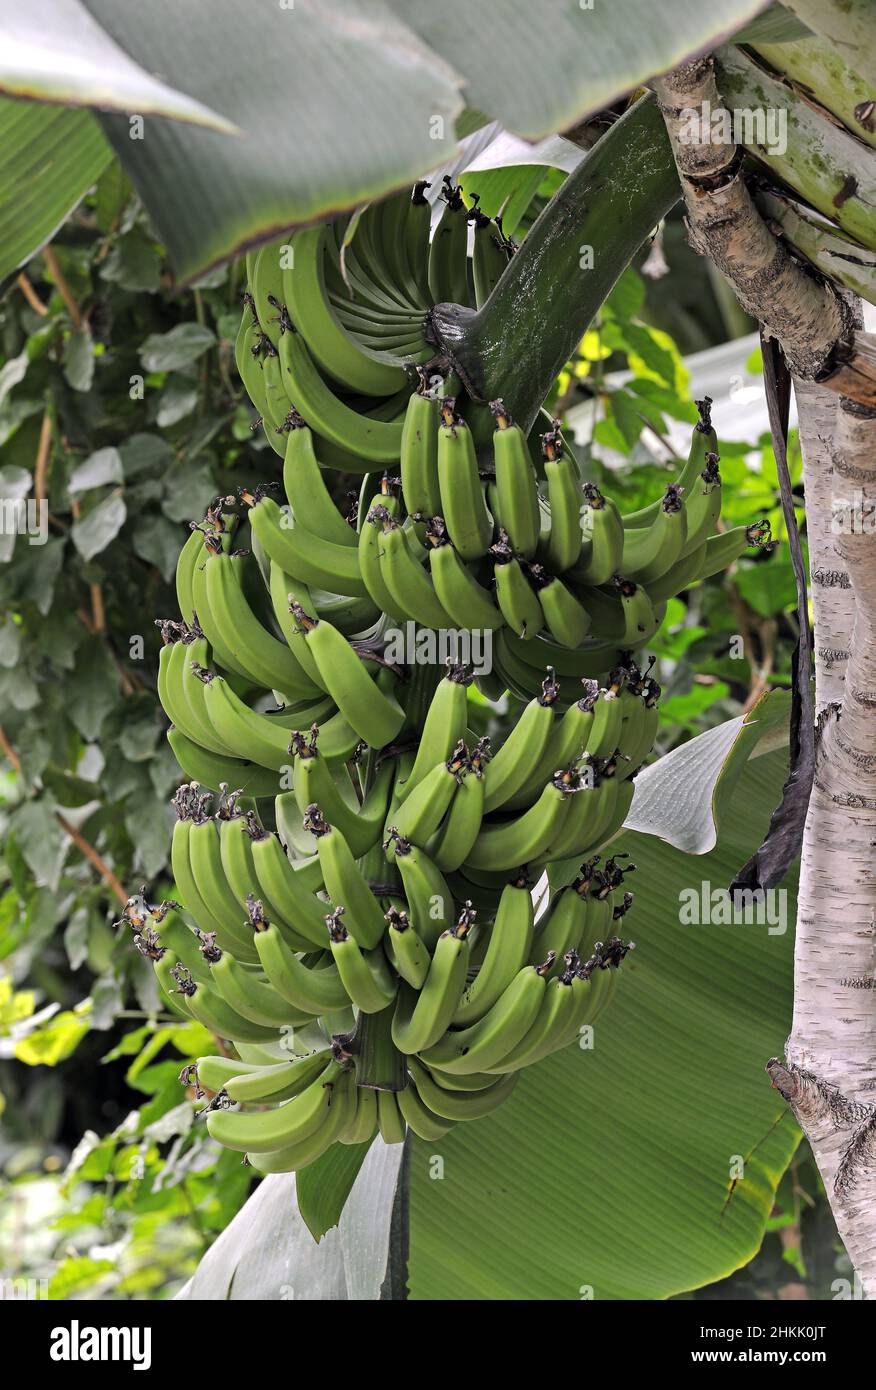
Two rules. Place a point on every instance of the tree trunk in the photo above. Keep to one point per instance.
(829, 1073)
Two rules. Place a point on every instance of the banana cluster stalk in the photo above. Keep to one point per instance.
(356, 866)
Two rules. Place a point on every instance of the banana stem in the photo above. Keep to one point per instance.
(516, 344)
(379, 1063)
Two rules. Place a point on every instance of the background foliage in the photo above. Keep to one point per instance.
(120, 404)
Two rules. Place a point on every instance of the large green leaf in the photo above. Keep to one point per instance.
(542, 67)
(49, 158)
(53, 50)
(609, 1173)
(338, 103)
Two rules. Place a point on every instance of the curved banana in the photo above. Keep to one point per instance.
(463, 506)
(376, 716)
(603, 542)
(484, 1043)
(467, 602)
(365, 975)
(345, 883)
(309, 990)
(419, 454)
(428, 895)
(448, 253)
(461, 826)
(649, 551)
(562, 544)
(411, 590)
(282, 1081)
(315, 787)
(303, 555)
(524, 838)
(251, 997)
(306, 297)
(458, 1105)
(406, 950)
(417, 1115)
(421, 813)
(306, 492)
(522, 754)
(517, 510)
(420, 1019)
(507, 952)
(335, 1115)
(266, 1131)
(517, 600)
(443, 728)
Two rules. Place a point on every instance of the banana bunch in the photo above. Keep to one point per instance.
(357, 867)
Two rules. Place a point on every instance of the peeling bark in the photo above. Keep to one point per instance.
(828, 1076)
(807, 316)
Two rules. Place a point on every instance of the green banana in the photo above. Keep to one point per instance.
(517, 510)
(566, 618)
(507, 952)
(345, 883)
(467, 602)
(303, 555)
(518, 602)
(428, 895)
(461, 826)
(282, 1081)
(376, 716)
(484, 1043)
(296, 910)
(422, 1018)
(649, 551)
(703, 442)
(266, 1131)
(419, 454)
(306, 296)
(336, 1113)
(248, 995)
(603, 543)
(309, 990)
(443, 728)
(406, 950)
(360, 825)
(420, 815)
(417, 1115)
(448, 253)
(370, 440)
(491, 253)
(365, 975)
(523, 752)
(462, 497)
(390, 1120)
(210, 770)
(411, 590)
(207, 1006)
(306, 492)
(458, 1105)
(562, 544)
(524, 838)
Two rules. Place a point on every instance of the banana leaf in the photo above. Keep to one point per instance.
(647, 1166)
(49, 158)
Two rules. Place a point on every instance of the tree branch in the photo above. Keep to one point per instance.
(516, 344)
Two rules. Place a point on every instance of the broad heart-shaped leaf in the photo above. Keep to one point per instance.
(49, 158)
(268, 1253)
(337, 104)
(610, 1172)
(53, 50)
(539, 68)
(681, 797)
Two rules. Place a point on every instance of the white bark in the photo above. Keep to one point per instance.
(830, 1079)
(833, 605)
(829, 1075)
